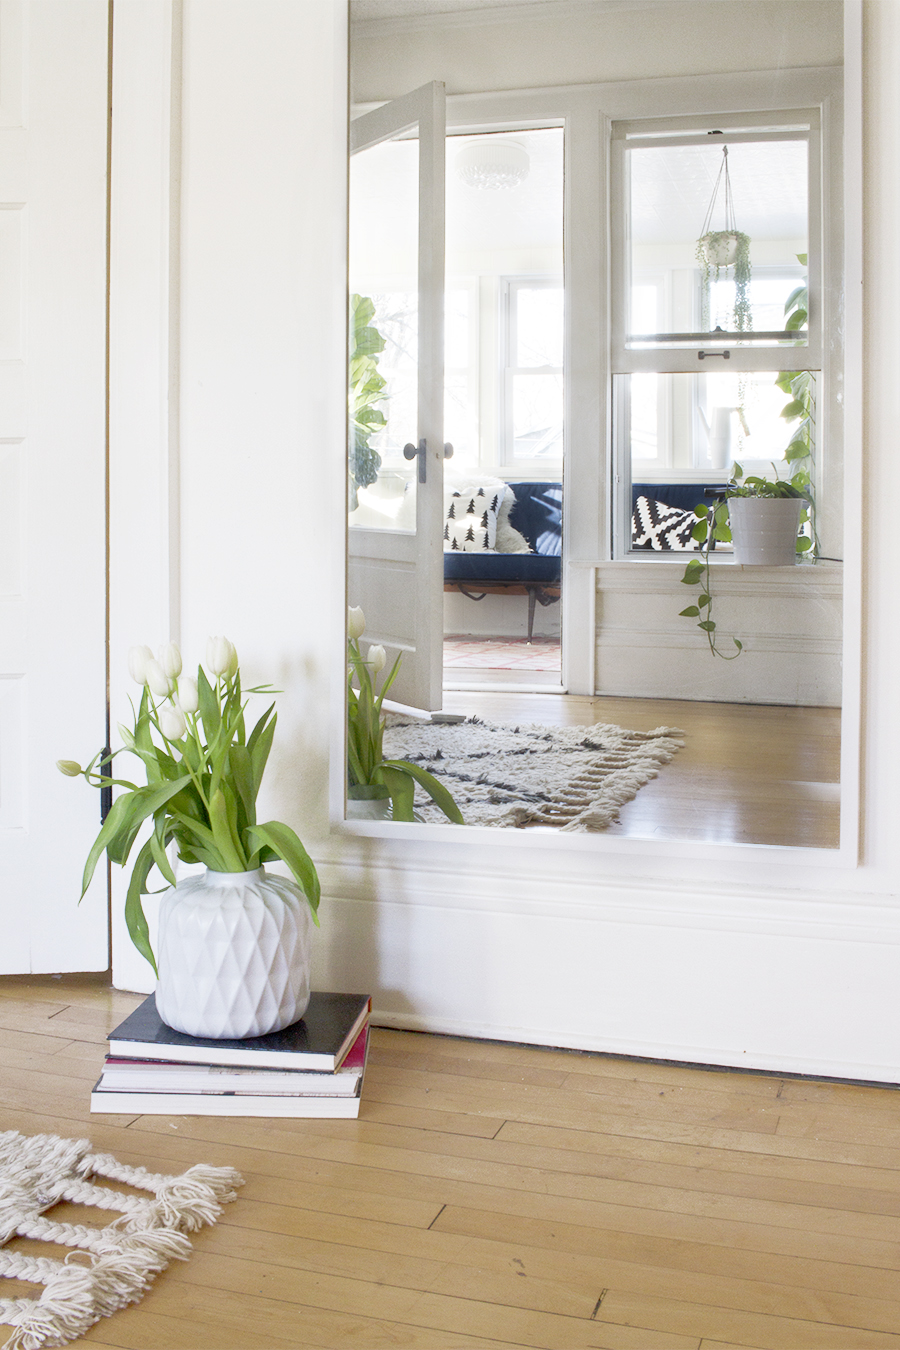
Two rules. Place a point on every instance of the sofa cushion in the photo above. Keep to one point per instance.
(470, 515)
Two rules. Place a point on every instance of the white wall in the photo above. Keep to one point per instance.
(731, 955)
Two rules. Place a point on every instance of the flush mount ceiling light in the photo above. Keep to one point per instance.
(492, 162)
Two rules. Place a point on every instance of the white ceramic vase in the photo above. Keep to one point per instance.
(233, 955)
(764, 530)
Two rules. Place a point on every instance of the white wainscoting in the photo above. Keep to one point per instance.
(789, 620)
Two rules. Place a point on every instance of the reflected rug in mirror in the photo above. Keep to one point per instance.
(569, 778)
(108, 1267)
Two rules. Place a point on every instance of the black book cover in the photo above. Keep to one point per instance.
(320, 1040)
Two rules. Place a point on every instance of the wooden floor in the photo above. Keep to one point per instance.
(748, 773)
(495, 1196)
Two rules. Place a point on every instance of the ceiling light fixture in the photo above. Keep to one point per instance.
(492, 162)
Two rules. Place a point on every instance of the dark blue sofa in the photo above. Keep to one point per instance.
(536, 514)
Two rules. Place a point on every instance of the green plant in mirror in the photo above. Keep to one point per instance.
(800, 386)
(365, 389)
(712, 250)
(713, 527)
(369, 774)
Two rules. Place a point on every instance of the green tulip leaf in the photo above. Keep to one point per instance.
(284, 843)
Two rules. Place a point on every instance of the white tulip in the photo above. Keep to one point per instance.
(170, 659)
(220, 655)
(69, 767)
(158, 680)
(172, 723)
(188, 698)
(137, 663)
(356, 622)
(376, 657)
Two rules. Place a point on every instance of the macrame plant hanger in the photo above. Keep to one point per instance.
(720, 249)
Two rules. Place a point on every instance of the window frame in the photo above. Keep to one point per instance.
(682, 357)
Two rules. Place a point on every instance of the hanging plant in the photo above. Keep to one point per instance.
(719, 250)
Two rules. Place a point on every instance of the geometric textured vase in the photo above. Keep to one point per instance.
(233, 955)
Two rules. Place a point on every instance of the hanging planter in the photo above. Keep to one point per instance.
(720, 250)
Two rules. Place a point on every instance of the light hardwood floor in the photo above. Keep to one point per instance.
(494, 1196)
(748, 774)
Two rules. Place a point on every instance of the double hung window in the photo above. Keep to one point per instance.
(716, 278)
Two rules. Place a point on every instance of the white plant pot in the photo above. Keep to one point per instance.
(371, 808)
(233, 955)
(764, 530)
(721, 252)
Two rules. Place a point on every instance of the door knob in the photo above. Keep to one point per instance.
(410, 451)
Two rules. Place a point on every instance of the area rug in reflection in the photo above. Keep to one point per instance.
(567, 778)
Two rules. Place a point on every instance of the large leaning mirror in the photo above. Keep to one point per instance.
(596, 364)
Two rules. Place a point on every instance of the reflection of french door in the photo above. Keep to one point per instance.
(396, 575)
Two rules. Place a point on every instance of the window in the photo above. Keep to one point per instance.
(533, 371)
(715, 233)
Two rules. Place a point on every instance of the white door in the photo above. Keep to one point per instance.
(53, 119)
(395, 564)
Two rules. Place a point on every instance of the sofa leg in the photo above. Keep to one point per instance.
(532, 600)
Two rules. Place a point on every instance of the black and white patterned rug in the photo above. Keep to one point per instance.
(570, 778)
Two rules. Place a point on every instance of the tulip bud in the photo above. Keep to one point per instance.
(356, 623)
(127, 736)
(170, 659)
(188, 697)
(233, 663)
(69, 767)
(219, 656)
(376, 658)
(158, 680)
(171, 722)
(137, 663)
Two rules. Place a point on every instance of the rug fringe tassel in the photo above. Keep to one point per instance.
(123, 1259)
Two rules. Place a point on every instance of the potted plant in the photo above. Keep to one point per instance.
(374, 783)
(233, 943)
(761, 518)
(717, 251)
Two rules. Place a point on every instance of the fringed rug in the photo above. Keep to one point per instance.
(111, 1266)
(571, 778)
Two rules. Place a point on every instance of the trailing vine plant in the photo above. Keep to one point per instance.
(712, 248)
(712, 527)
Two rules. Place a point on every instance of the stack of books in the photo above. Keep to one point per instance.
(313, 1068)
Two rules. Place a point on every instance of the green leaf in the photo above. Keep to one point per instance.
(158, 849)
(439, 794)
(135, 919)
(120, 828)
(284, 843)
(692, 612)
(707, 625)
(226, 843)
(242, 776)
(259, 747)
(402, 789)
(700, 531)
(210, 713)
(703, 601)
(796, 320)
(804, 543)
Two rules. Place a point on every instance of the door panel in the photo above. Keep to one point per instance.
(395, 562)
(53, 117)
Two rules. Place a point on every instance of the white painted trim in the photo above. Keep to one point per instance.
(144, 330)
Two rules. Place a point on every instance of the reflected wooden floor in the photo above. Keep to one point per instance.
(496, 1197)
(748, 773)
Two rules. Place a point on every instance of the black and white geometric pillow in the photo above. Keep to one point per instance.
(654, 525)
(470, 518)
